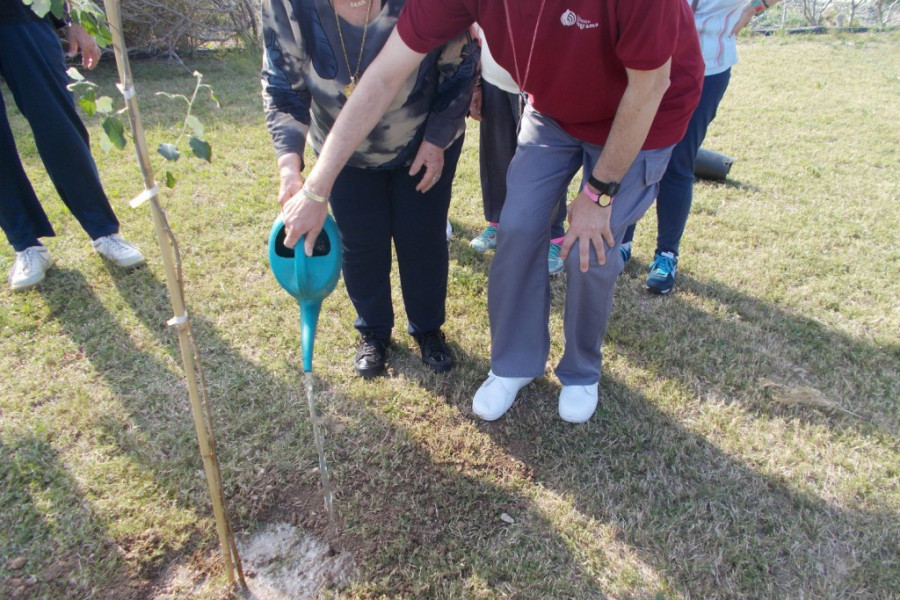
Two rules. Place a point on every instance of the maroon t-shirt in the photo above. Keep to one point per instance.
(580, 52)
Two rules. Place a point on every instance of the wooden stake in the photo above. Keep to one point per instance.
(169, 250)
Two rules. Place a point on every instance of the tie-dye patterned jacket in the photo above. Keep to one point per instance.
(305, 71)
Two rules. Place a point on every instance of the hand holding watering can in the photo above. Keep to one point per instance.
(309, 279)
(303, 212)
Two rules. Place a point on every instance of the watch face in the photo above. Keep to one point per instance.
(604, 200)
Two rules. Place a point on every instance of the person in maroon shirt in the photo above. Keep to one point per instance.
(612, 85)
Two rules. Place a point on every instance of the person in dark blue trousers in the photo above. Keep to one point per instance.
(392, 203)
(676, 189)
(718, 24)
(33, 66)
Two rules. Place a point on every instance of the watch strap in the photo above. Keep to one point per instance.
(608, 189)
(590, 194)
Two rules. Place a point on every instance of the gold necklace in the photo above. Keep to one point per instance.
(354, 77)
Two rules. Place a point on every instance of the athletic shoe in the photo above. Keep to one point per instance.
(662, 273)
(487, 240)
(577, 403)
(496, 395)
(555, 264)
(29, 268)
(119, 252)
(370, 356)
(435, 351)
(625, 251)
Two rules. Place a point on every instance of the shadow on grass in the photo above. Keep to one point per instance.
(434, 527)
(53, 539)
(415, 526)
(729, 183)
(687, 517)
(735, 344)
(711, 524)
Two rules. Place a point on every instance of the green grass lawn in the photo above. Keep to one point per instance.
(746, 444)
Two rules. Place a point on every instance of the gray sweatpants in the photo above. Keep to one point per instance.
(519, 285)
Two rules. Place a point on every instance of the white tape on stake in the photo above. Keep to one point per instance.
(178, 321)
(144, 196)
(127, 92)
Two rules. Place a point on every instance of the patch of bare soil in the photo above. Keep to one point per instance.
(62, 579)
(281, 562)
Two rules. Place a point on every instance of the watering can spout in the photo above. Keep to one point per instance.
(309, 279)
(309, 319)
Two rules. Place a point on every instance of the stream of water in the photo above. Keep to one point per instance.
(327, 493)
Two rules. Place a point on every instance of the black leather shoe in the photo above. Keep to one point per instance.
(435, 351)
(370, 356)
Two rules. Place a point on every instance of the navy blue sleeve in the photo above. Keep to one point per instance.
(458, 65)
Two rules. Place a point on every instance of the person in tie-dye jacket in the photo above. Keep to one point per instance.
(397, 185)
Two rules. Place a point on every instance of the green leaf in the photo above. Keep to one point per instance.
(88, 103)
(75, 74)
(169, 151)
(212, 96)
(104, 105)
(105, 144)
(195, 124)
(99, 31)
(40, 7)
(113, 128)
(170, 180)
(81, 87)
(200, 148)
(92, 18)
(56, 7)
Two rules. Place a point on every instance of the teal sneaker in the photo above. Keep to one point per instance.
(625, 251)
(662, 273)
(555, 264)
(487, 240)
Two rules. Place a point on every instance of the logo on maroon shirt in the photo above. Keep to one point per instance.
(569, 18)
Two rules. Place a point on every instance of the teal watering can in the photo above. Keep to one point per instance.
(309, 279)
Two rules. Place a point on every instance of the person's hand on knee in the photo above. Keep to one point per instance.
(588, 224)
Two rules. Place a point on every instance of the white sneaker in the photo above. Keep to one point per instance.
(577, 403)
(29, 268)
(496, 395)
(119, 252)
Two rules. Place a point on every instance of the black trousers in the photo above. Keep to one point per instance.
(374, 207)
(33, 65)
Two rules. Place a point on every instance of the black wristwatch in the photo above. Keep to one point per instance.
(603, 189)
